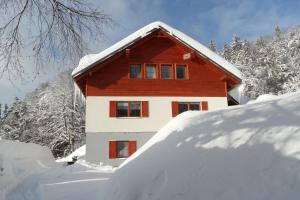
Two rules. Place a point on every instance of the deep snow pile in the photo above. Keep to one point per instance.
(32, 173)
(244, 152)
(19, 160)
(75, 182)
(79, 153)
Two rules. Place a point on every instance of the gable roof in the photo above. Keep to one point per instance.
(91, 60)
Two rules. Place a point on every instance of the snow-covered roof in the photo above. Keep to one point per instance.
(91, 60)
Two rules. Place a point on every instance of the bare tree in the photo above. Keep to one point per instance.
(46, 30)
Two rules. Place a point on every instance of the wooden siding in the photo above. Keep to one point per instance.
(111, 78)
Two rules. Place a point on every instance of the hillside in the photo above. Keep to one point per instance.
(244, 152)
(48, 116)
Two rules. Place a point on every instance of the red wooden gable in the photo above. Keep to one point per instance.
(111, 78)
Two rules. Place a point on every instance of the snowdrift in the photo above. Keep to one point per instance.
(79, 153)
(19, 160)
(244, 152)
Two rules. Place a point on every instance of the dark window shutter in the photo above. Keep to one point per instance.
(131, 147)
(174, 108)
(204, 105)
(112, 149)
(112, 109)
(145, 109)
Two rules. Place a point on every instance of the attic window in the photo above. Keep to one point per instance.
(181, 72)
(150, 71)
(166, 71)
(135, 71)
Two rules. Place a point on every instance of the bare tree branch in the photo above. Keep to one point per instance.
(46, 30)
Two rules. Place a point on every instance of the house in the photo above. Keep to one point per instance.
(137, 85)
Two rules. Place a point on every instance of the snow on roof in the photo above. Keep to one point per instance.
(91, 60)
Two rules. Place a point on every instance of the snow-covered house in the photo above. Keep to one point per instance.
(137, 85)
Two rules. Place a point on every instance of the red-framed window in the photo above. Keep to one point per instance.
(159, 71)
(166, 71)
(129, 109)
(181, 72)
(121, 149)
(151, 71)
(180, 107)
(135, 71)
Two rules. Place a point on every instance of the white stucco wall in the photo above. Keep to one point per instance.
(160, 112)
(97, 145)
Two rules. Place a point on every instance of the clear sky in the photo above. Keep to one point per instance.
(204, 20)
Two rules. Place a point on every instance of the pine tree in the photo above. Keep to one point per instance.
(212, 46)
(227, 52)
(278, 32)
(269, 65)
(48, 116)
(5, 111)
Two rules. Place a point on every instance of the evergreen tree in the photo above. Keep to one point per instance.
(48, 116)
(227, 52)
(5, 111)
(212, 46)
(278, 32)
(269, 65)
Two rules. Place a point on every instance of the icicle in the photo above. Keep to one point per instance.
(77, 95)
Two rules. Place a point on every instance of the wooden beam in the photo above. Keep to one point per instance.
(127, 53)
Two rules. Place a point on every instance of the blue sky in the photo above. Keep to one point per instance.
(204, 20)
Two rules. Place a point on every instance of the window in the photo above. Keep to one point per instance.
(194, 106)
(121, 149)
(135, 109)
(150, 71)
(181, 72)
(135, 71)
(128, 109)
(166, 71)
(180, 107)
(122, 109)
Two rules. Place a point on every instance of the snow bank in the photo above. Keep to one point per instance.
(265, 97)
(75, 182)
(19, 160)
(245, 152)
(79, 153)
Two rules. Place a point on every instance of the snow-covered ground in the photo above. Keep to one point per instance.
(243, 152)
(30, 172)
(79, 153)
(19, 160)
(75, 182)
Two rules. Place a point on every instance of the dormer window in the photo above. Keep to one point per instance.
(135, 71)
(151, 71)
